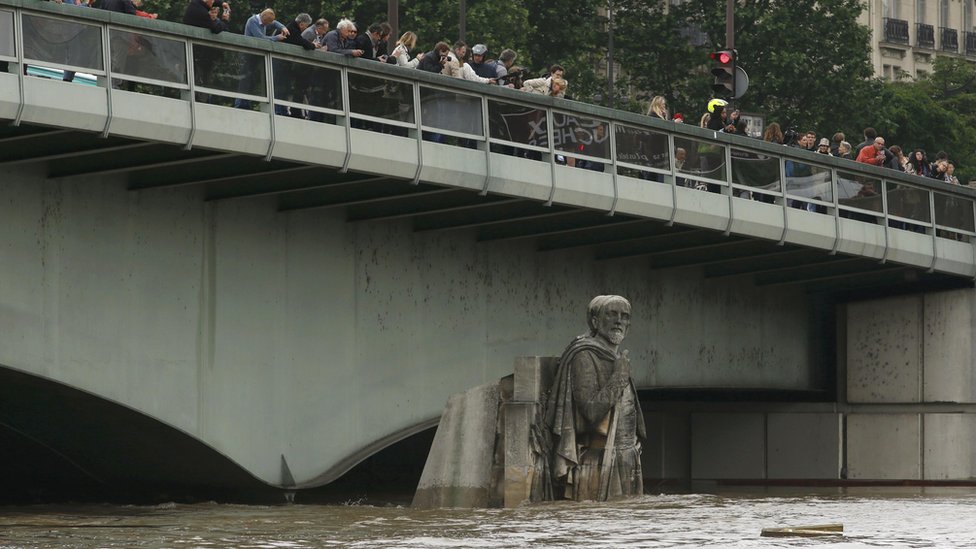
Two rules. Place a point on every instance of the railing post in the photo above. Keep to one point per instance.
(269, 88)
(786, 202)
(344, 86)
(485, 121)
(836, 199)
(674, 180)
(935, 231)
(21, 66)
(612, 136)
(418, 120)
(191, 82)
(885, 220)
(728, 183)
(107, 67)
(552, 156)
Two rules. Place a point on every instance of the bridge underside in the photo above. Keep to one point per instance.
(63, 444)
(221, 176)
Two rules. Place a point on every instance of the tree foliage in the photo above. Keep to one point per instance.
(808, 60)
(936, 113)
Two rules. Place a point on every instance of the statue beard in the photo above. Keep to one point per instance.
(615, 337)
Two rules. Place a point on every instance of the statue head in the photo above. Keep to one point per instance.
(609, 318)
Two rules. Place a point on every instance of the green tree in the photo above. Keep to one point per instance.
(808, 60)
(937, 113)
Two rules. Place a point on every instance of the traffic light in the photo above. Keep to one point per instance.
(724, 71)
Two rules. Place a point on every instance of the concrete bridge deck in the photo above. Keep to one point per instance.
(274, 286)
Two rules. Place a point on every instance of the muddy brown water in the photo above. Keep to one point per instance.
(938, 518)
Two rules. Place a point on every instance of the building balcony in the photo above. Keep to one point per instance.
(895, 30)
(949, 39)
(924, 36)
(970, 38)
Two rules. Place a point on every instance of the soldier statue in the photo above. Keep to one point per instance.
(592, 420)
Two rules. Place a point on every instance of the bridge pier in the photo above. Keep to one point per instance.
(905, 410)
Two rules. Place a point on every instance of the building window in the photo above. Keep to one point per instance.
(919, 11)
(944, 13)
(967, 15)
(891, 9)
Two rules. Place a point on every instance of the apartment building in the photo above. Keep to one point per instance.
(907, 35)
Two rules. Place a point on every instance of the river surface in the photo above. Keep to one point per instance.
(941, 519)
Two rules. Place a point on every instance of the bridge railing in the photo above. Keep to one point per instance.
(192, 65)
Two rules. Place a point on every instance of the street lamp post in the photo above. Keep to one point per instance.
(610, 53)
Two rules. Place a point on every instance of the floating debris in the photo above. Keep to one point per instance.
(804, 531)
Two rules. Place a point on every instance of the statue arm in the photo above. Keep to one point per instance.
(592, 400)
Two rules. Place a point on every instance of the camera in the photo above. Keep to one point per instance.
(790, 136)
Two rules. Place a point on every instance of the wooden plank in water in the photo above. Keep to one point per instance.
(804, 531)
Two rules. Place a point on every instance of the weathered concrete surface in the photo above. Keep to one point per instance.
(950, 446)
(884, 446)
(884, 350)
(267, 333)
(458, 472)
(666, 457)
(911, 349)
(948, 352)
(728, 446)
(804, 445)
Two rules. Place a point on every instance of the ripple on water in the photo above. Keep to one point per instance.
(886, 519)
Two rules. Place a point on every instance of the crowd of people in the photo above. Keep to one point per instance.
(457, 60)
(873, 150)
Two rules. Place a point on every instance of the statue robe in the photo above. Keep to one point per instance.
(578, 418)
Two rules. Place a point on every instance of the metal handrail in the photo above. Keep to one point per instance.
(416, 79)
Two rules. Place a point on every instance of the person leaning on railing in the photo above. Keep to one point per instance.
(207, 15)
(401, 53)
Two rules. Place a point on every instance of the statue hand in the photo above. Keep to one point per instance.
(622, 364)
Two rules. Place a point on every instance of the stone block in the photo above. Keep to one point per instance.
(948, 349)
(804, 446)
(458, 472)
(884, 350)
(950, 446)
(728, 446)
(519, 461)
(883, 447)
(528, 379)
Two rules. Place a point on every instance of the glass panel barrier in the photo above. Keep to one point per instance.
(229, 70)
(908, 202)
(859, 191)
(149, 57)
(755, 170)
(381, 98)
(450, 111)
(808, 181)
(699, 159)
(62, 42)
(307, 84)
(578, 135)
(954, 211)
(7, 34)
(517, 123)
(643, 147)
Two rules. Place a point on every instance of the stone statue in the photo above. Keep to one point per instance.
(592, 422)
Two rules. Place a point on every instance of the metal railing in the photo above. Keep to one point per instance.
(895, 30)
(924, 35)
(949, 39)
(970, 41)
(193, 66)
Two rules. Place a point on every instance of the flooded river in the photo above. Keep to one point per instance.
(894, 518)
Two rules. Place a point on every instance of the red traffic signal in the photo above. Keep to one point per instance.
(724, 71)
(722, 57)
